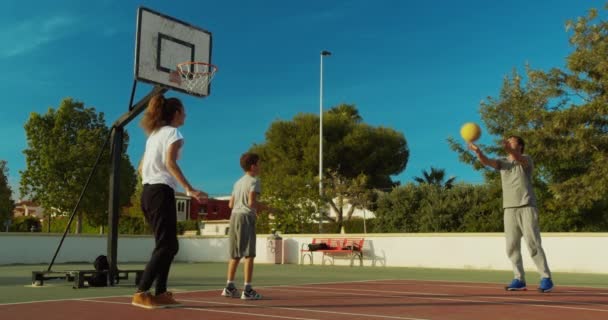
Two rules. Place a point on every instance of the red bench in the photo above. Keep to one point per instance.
(349, 247)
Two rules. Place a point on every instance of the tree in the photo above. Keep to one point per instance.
(431, 208)
(435, 177)
(6, 202)
(351, 148)
(340, 192)
(562, 116)
(63, 145)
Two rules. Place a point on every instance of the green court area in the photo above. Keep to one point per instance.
(15, 280)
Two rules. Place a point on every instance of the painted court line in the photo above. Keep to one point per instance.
(305, 310)
(499, 284)
(510, 298)
(430, 296)
(220, 286)
(249, 314)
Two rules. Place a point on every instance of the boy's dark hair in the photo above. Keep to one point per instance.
(520, 142)
(248, 159)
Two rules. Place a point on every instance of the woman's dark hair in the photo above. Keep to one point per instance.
(160, 112)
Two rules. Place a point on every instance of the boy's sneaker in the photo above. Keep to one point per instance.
(516, 285)
(167, 300)
(230, 292)
(251, 295)
(145, 300)
(546, 285)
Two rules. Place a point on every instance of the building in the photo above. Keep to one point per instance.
(28, 208)
(214, 213)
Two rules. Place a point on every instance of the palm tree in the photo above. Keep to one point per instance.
(435, 177)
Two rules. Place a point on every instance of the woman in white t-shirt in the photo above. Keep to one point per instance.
(160, 176)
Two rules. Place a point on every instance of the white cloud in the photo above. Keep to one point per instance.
(30, 34)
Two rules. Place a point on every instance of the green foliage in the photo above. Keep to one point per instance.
(563, 117)
(188, 225)
(6, 202)
(435, 177)
(352, 150)
(25, 224)
(356, 225)
(133, 225)
(59, 223)
(290, 206)
(63, 145)
(134, 207)
(431, 208)
(340, 191)
(126, 225)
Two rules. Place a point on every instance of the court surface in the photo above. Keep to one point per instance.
(313, 292)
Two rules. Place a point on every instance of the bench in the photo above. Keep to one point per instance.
(349, 247)
(81, 276)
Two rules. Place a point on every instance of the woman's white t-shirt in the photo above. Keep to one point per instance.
(154, 169)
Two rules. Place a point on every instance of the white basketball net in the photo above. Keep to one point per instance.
(196, 76)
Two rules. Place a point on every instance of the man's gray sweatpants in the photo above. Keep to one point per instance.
(523, 221)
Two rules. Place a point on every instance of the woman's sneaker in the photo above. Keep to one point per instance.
(230, 292)
(251, 295)
(146, 300)
(167, 300)
(516, 285)
(546, 285)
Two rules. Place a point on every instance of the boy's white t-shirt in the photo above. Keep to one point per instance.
(153, 169)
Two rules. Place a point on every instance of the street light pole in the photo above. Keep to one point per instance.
(323, 54)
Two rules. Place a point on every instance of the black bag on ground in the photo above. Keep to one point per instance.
(317, 246)
(100, 279)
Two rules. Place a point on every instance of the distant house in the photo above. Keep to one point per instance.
(213, 212)
(28, 208)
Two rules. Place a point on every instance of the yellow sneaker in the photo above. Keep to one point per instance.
(146, 300)
(166, 299)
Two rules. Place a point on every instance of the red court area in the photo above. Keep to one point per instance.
(386, 299)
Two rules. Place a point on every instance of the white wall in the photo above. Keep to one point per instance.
(566, 252)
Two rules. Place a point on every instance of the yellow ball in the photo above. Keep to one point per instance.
(470, 132)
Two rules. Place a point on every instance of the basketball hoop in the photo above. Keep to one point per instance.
(195, 76)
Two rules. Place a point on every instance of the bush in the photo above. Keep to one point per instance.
(133, 225)
(25, 224)
(58, 225)
(188, 225)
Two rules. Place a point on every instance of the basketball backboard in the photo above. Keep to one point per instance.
(162, 42)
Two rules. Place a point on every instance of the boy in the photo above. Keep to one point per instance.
(242, 236)
(520, 212)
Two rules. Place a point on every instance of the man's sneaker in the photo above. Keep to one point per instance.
(546, 285)
(516, 285)
(251, 295)
(166, 299)
(230, 292)
(145, 300)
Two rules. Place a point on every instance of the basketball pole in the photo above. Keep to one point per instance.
(116, 156)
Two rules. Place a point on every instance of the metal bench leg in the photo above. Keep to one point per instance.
(78, 280)
(304, 255)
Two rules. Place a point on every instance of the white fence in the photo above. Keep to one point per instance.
(566, 252)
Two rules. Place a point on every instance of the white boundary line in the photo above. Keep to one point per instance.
(177, 291)
(427, 296)
(304, 309)
(210, 310)
(485, 282)
(594, 290)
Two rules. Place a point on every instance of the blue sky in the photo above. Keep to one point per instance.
(420, 67)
